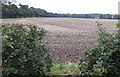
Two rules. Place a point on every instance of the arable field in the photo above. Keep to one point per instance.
(67, 38)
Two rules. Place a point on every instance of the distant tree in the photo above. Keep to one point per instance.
(31, 13)
(115, 17)
(109, 16)
(23, 10)
(102, 16)
(10, 10)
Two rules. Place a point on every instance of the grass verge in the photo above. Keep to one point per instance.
(64, 69)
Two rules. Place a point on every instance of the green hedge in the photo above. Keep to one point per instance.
(104, 58)
(23, 50)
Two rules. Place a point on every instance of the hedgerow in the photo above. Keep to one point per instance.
(104, 58)
(23, 50)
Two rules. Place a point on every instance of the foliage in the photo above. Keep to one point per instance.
(104, 58)
(23, 51)
(65, 69)
(10, 10)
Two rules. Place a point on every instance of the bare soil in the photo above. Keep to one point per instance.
(68, 38)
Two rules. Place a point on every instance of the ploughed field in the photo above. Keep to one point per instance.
(68, 38)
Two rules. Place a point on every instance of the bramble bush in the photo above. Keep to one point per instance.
(23, 50)
(104, 58)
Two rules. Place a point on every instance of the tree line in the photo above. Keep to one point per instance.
(10, 10)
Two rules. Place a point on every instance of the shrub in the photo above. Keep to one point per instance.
(104, 58)
(23, 51)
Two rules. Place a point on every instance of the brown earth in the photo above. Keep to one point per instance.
(67, 38)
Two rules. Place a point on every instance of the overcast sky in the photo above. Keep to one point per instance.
(75, 6)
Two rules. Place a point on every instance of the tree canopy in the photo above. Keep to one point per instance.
(10, 10)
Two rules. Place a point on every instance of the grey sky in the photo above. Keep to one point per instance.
(75, 6)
